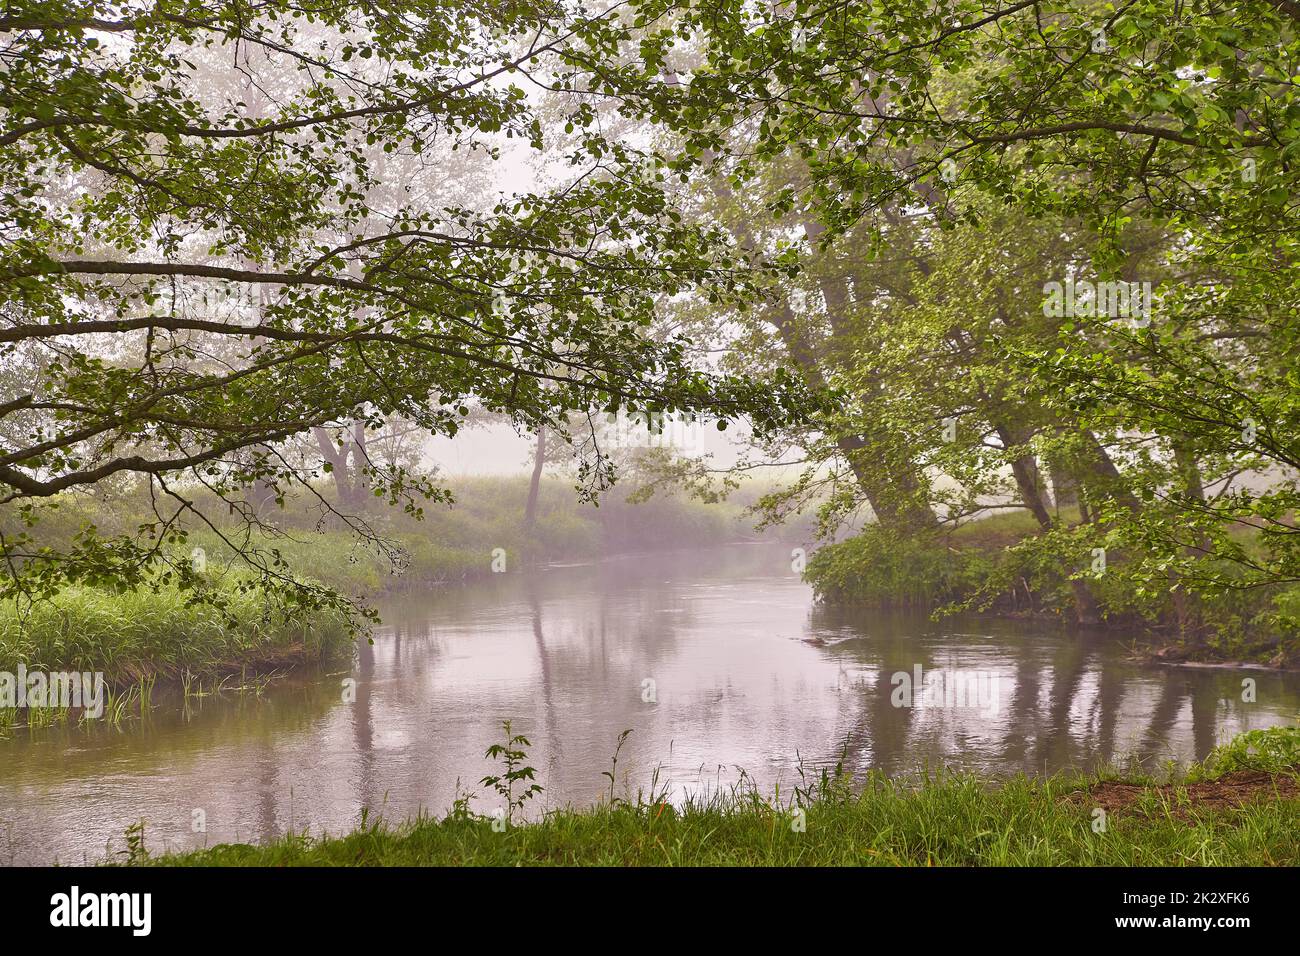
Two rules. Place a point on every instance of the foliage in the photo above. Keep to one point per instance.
(512, 752)
(1003, 564)
(884, 569)
(203, 265)
(841, 223)
(1271, 749)
(926, 174)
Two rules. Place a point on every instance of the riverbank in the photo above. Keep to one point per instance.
(370, 548)
(1240, 808)
(236, 620)
(997, 565)
(142, 638)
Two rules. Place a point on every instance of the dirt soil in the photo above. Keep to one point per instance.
(1232, 790)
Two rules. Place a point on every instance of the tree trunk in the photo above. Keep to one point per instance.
(1102, 478)
(893, 492)
(1187, 614)
(359, 482)
(1030, 485)
(260, 492)
(1065, 488)
(260, 495)
(1029, 481)
(337, 459)
(535, 484)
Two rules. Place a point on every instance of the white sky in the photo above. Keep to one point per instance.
(497, 450)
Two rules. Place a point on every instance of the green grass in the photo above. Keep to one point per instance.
(941, 819)
(145, 634)
(948, 821)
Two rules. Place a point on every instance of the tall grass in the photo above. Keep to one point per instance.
(159, 634)
(947, 821)
(940, 819)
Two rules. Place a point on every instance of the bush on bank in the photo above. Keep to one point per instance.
(1004, 565)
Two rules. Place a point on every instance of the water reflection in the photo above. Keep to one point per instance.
(718, 660)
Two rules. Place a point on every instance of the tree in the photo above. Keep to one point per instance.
(1114, 123)
(202, 281)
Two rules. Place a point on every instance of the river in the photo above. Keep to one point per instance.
(718, 660)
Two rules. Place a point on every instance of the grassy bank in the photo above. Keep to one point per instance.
(162, 633)
(147, 635)
(1001, 565)
(446, 544)
(1240, 808)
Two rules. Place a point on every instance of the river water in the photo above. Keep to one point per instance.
(718, 660)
